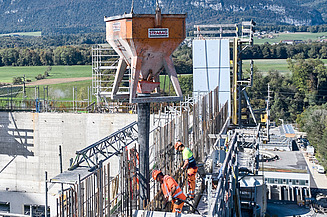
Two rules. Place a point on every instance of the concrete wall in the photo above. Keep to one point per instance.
(29, 146)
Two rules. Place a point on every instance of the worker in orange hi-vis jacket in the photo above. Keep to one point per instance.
(190, 163)
(171, 190)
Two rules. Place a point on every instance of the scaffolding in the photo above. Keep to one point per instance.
(240, 37)
(94, 191)
(104, 66)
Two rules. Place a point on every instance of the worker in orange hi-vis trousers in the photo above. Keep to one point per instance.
(171, 190)
(190, 163)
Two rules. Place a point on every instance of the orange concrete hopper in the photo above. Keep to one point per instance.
(145, 43)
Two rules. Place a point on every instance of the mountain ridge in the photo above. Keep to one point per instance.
(78, 16)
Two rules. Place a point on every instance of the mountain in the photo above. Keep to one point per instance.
(78, 16)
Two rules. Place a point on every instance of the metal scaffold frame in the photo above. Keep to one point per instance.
(105, 62)
(100, 150)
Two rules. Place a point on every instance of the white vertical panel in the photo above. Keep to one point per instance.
(225, 57)
(212, 46)
(211, 67)
(200, 82)
(213, 78)
(199, 53)
(224, 77)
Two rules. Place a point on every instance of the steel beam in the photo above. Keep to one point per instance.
(106, 147)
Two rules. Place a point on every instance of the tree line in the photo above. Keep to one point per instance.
(82, 54)
(283, 51)
(86, 39)
(67, 55)
(75, 55)
(291, 28)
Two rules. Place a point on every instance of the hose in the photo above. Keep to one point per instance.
(185, 201)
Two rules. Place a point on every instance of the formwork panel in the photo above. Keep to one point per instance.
(211, 67)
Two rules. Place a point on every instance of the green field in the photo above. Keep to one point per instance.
(62, 91)
(265, 65)
(304, 36)
(7, 73)
(22, 34)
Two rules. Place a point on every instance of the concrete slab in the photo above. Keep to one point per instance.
(319, 179)
(145, 213)
(291, 161)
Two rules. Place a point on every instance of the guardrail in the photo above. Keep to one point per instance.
(223, 199)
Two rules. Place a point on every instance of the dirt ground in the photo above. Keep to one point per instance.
(57, 81)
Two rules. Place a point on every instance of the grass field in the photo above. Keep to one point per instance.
(7, 73)
(265, 65)
(22, 34)
(62, 91)
(304, 36)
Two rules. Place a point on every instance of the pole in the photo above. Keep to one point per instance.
(88, 96)
(100, 192)
(79, 214)
(143, 140)
(44, 106)
(62, 185)
(24, 90)
(11, 97)
(268, 115)
(239, 88)
(46, 194)
(73, 99)
(47, 98)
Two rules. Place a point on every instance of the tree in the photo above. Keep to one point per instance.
(17, 80)
(281, 52)
(186, 83)
(313, 121)
(266, 52)
(323, 52)
(309, 77)
(39, 77)
(9, 56)
(313, 52)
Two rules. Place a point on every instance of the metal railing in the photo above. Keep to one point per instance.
(223, 199)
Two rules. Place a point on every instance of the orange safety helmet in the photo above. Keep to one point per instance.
(155, 174)
(177, 144)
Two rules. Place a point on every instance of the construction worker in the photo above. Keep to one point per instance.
(190, 163)
(171, 190)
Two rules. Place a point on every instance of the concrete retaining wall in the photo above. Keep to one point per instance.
(29, 146)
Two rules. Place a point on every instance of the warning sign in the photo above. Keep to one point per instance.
(158, 33)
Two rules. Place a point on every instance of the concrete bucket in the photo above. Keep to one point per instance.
(145, 43)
